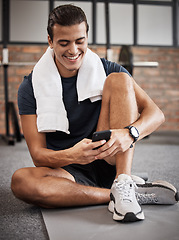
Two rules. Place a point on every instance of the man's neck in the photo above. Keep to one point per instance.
(65, 73)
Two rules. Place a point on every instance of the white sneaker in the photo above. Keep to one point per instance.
(123, 204)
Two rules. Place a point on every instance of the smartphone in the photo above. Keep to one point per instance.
(101, 135)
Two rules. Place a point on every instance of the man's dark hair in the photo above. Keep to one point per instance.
(66, 15)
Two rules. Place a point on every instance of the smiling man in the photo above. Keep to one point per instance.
(69, 49)
(70, 94)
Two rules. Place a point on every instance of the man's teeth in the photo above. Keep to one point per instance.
(73, 58)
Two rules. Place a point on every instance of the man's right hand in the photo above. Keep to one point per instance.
(83, 152)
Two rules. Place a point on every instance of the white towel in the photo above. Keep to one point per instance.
(47, 86)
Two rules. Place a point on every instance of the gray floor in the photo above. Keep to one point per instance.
(18, 220)
(157, 155)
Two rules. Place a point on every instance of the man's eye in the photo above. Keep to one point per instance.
(80, 42)
(63, 45)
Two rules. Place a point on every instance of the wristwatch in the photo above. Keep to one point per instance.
(134, 133)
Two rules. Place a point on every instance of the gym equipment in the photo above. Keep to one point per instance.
(10, 111)
(126, 60)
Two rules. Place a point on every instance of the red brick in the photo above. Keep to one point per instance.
(31, 49)
(174, 93)
(23, 71)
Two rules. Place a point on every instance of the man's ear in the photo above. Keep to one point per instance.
(50, 42)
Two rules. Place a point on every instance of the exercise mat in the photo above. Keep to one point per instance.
(95, 223)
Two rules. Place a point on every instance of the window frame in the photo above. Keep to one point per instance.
(175, 15)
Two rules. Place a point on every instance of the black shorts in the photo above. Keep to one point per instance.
(97, 174)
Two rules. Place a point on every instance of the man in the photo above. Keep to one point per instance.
(69, 170)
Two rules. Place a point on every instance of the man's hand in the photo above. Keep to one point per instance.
(83, 152)
(120, 141)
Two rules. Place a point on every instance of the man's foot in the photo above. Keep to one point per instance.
(158, 192)
(123, 204)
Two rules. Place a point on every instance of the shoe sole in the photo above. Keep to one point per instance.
(159, 192)
(128, 217)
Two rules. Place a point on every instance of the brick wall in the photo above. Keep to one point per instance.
(161, 83)
(17, 53)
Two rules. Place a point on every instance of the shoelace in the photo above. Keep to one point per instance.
(146, 198)
(125, 189)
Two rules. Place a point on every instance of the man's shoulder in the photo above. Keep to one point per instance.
(26, 100)
(111, 67)
(26, 84)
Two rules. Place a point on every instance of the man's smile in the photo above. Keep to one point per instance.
(73, 58)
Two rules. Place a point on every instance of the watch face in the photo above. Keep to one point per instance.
(134, 132)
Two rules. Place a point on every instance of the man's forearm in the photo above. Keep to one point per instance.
(44, 157)
(81, 153)
(150, 119)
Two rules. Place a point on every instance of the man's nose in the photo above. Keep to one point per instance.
(73, 49)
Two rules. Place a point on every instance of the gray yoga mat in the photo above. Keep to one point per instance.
(158, 156)
(96, 223)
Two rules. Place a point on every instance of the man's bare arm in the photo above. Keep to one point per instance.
(81, 153)
(151, 117)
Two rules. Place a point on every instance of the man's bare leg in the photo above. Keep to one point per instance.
(51, 188)
(119, 109)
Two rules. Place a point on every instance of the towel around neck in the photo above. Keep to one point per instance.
(47, 86)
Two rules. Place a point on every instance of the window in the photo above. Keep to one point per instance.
(100, 24)
(28, 21)
(121, 23)
(154, 25)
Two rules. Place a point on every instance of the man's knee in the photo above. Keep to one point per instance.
(18, 181)
(23, 185)
(28, 185)
(119, 81)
